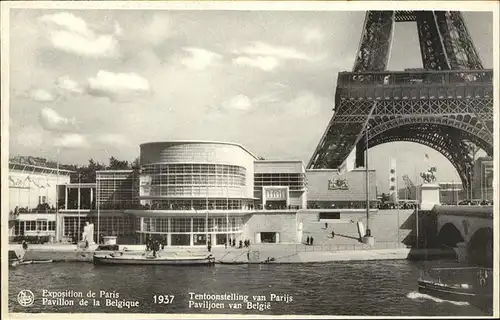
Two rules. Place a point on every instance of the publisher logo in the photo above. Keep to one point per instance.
(25, 298)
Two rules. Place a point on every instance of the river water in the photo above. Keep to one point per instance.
(335, 288)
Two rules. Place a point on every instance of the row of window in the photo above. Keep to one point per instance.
(108, 226)
(200, 204)
(189, 225)
(295, 181)
(220, 180)
(21, 227)
(115, 175)
(191, 191)
(190, 168)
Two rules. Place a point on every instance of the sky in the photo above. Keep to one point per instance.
(97, 83)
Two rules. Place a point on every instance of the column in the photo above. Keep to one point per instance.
(66, 198)
(191, 235)
(169, 232)
(79, 199)
(263, 198)
(91, 197)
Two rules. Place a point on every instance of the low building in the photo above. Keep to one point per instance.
(33, 198)
(191, 193)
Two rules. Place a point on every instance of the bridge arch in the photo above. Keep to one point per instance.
(446, 139)
(449, 235)
(470, 126)
(480, 247)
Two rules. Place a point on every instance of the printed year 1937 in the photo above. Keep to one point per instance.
(163, 298)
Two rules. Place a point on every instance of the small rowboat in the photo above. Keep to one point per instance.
(15, 260)
(35, 261)
(120, 258)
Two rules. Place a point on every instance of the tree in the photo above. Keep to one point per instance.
(87, 174)
(115, 164)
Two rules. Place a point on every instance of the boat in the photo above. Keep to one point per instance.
(14, 260)
(35, 261)
(476, 290)
(118, 258)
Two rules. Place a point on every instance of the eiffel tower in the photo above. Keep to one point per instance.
(447, 105)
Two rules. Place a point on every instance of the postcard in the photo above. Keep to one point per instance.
(238, 159)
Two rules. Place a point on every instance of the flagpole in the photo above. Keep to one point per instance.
(227, 212)
(368, 232)
(79, 222)
(58, 229)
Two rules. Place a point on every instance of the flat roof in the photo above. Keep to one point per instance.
(76, 185)
(113, 171)
(200, 141)
(39, 167)
(277, 161)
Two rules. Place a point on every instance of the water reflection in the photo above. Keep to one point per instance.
(337, 288)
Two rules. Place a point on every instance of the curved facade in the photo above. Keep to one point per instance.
(211, 175)
(187, 189)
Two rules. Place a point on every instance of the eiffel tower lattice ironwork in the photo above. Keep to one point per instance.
(447, 105)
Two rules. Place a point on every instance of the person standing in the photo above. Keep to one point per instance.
(311, 241)
(308, 240)
(333, 234)
(209, 246)
(25, 245)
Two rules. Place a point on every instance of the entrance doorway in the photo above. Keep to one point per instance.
(269, 237)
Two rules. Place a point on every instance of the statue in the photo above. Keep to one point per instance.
(429, 176)
(88, 233)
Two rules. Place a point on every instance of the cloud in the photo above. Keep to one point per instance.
(113, 139)
(71, 141)
(52, 121)
(41, 95)
(263, 49)
(159, 29)
(265, 56)
(118, 29)
(70, 33)
(313, 35)
(199, 58)
(117, 86)
(305, 104)
(69, 85)
(30, 137)
(264, 63)
(239, 102)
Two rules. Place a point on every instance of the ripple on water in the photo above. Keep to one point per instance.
(339, 288)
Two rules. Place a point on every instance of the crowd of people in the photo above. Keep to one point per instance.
(155, 244)
(242, 243)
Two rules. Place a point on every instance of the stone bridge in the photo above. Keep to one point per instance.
(468, 229)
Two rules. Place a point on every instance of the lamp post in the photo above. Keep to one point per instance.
(98, 201)
(368, 231)
(79, 223)
(58, 229)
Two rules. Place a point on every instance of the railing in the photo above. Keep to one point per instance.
(32, 211)
(347, 79)
(348, 247)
